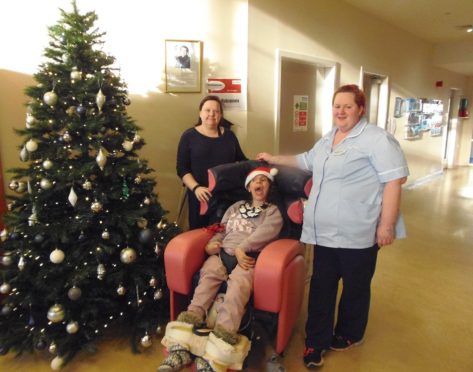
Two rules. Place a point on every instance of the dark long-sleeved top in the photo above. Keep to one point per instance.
(197, 153)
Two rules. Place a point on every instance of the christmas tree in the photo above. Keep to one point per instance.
(84, 238)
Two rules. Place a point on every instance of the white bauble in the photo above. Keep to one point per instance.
(31, 145)
(75, 74)
(57, 256)
(56, 313)
(47, 164)
(50, 98)
(127, 145)
(30, 120)
(5, 288)
(57, 363)
(127, 255)
(45, 184)
(72, 327)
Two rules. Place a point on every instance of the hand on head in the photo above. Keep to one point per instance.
(264, 156)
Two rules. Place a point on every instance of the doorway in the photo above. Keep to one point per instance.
(376, 89)
(303, 108)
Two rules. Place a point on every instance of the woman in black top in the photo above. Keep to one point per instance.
(204, 146)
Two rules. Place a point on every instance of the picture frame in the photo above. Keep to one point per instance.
(183, 67)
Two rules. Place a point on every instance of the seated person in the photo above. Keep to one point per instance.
(247, 227)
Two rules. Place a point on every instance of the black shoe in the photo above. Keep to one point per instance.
(313, 357)
(340, 343)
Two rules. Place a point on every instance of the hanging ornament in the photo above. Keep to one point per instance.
(138, 179)
(21, 263)
(101, 271)
(6, 309)
(31, 145)
(32, 219)
(56, 313)
(38, 238)
(65, 58)
(13, 185)
(159, 330)
(126, 101)
(75, 74)
(96, 206)
(41, 344)
(147, 201)
(30, 120)
(157, 249)
(153, 282)
(74, 293)
(52, 348)
(158, 294)
(45, 184)
(72, 197)
(28, 187)
(72, 327)
(146, 341)
(7, 259)
(81, 110)
(50, 98)
(4, 235)
(105, 235)
(125, 190)
(142, 223)
(66, 137)
(57, 363)
(71, 110)
(23, 154)
(89, 76)
(87, 185)
(127, 255)
(145, 236)
(100, 100)
(47, 164)
(57, 256)
(10, 206)
(5, 288)
(101, 159)
(127, 145)
(136, 138)
(121, 290)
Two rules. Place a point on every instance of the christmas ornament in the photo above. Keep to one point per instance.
(30, 120)
(14, 235)
(121, 290)
(57, 256)
(127, 145)
(5, 288)
(158, 294)
(21, 263)
(65, 58)
(153, 282)
(89, 76)
(52, 348)
(71, 110)
(41, 344)
(66, 137)
(56, 313)
(75, 74)
(72, 327)
(96, 206)
(30, 190)
(145, 236)
(13, 185)
(50, 98)
(74, 293)
(142, 223)
(101, 159)
(125, 190)
(4, 235)
(32, 219)
(10, 206)
(105, 235)
(101, 271)
(57, 363)
(136, 138)
(45, 184)
(21, 187)
(47, 164)
(147, 201)
(157, 249)
(100, 100)
(81, 110)
(6, 259)
(72, 197)
(6, 309)
(87, 185)
(23, 154)
(38, 238)
(159, 330)
(126, 101)
(127, 255)
(138, 180)
(146, 341)
(31, 145)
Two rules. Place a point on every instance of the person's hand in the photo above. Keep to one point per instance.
(246, 262)
(202, 194)
(213, 248)
(384, 234)
(264, 156)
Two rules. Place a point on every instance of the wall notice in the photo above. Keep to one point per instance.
(229, 91)
(301, 108)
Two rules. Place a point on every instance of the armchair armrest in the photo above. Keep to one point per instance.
(270, 273)
(183, 256)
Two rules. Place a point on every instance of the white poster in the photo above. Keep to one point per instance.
(229, 91)
(301, 108)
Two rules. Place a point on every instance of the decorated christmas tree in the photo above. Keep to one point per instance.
(83, 244)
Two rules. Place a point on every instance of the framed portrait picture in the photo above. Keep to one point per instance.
(183, 66)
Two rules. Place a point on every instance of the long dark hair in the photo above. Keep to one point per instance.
(201, 104)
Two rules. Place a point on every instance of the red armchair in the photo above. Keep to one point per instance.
(279, 272)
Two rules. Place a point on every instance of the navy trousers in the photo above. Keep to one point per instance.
(356, 269)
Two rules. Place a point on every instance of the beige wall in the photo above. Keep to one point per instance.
(335, 31)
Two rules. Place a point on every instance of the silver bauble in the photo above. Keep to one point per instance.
(52, 348)
(146, 341)
(153, 282)
(158, 294)
(45, 184)
(57, 256)
(7, 259)
(105, 235)
(57, 363)
(72, 327)
(101, 271)
(76, 74)
(24, 154)
(56, 313)
(72, 197)
(100, 100)
(87, 185)
(13, 185)
(147, 201)
(6, 309)
(30, 120)
(47, 164)
(121, 290)
(96, 206)
(157, 249)
(66, 137)
(127, 255)
(21, 263)
(101, 159)
(31, 145)
(74, 293)
(50, 98)
(5, 288)
(127, 145)
(32, 219)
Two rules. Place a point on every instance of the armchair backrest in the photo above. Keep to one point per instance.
(290, 189)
